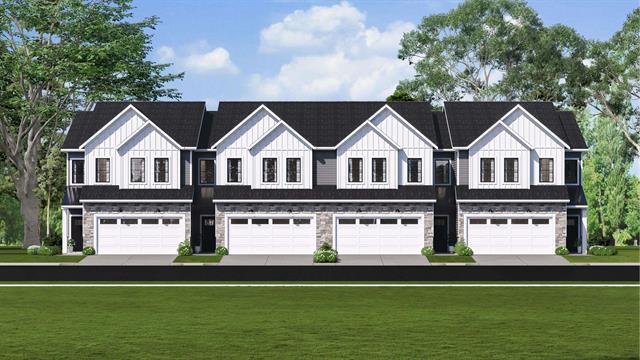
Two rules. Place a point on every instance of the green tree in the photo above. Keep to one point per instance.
(632, 216)
(51, 182)
(400, 95)
(60, 56)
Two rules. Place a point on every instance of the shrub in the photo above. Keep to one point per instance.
(45, 251)
(561, 250)
(325, 254)
(184, 248)
(51, 240)
(89, 250)
(222, 251)
(623, 237)
(427, 250)
(33, 249)
(461, 249)
(599, 250)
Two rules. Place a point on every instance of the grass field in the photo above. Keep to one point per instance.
(624, 255)
(450, 259)
(434, 323)
(198, 259)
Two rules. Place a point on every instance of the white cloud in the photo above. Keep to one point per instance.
(166, 54)
(216, 60)
(334, 55)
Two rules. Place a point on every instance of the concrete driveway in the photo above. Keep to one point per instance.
(362, 260)
(520, 260)
(128, 260)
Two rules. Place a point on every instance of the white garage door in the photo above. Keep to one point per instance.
(375, 236)
(511, 235)
(271, 235)
(139, 235)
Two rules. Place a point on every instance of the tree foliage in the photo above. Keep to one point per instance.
(60, 56)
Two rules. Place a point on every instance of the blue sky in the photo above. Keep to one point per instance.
(316, 50)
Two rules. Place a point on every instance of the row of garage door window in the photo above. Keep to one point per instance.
(129, 221)
(364, 221)
(277, 221)
(513, 221)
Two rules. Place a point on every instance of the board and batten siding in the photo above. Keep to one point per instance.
(499, 144)
(367, 144)
(411, 144)
(185, 167)
(462, 167)
(149, 144)
(236, 145)
(282, 144)
(324, 167)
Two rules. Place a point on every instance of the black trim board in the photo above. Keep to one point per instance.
(320, 273)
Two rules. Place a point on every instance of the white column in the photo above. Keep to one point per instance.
(65, 229)
(583, 231)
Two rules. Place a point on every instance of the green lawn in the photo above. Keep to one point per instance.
(434, 323)
(17, 255)
(450, 259)
(625, 255)
(198, 259)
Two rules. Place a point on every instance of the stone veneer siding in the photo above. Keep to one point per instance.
(324, 215)
(559, 210)
(89, 210)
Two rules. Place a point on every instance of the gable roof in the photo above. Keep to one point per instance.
(505, 128)
(468, 120)
(139, 130)
(372, 127)
(571, 128)
(273, 128)
(179, 120)
(322, 123)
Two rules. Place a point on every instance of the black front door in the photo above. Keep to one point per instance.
(440, 233)
(573, 233)
(208, 234)
(76, 232)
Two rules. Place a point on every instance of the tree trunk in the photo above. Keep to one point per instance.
(29, 209)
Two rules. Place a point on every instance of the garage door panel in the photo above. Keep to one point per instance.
(133, 235)
(517, 236)
(271, 235)
(379, 236)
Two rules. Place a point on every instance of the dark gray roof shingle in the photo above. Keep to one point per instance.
(322, 192)
(180, 120)
(535, 192)
(112, 192)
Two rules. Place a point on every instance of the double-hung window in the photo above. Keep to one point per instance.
(77, 171)
(511, 170)
(379, 170)
(355, 170)
(546, 170)
(103, 174)
(161, 170)
(442, 172)
(269, 170)
(137, 170)
(414, 170)
(207, 171)
(234, 170)
(294, 170)
(487, 170)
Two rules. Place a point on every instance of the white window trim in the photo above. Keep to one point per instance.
(84, 170)
(240, 170)
(504, 171)
(434, 171)
(168, 171)
(553, 170)
(109, 172)
(422, 172)
(214, 172)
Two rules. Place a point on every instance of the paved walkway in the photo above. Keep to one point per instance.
(362, 260)
(520, 260)
(128, 260)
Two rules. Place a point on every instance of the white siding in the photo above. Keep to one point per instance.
(413, 146)
(149, 144)
(367, 144)
(237, 144)
(281, 144)
(499, 144)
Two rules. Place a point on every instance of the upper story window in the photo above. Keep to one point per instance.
(487, 170)
(355, 170)
(207, 171)
(269, 170)
(571, 172)
(511, 170)
(137, 170)
(294, 170)
(103, 167)
(234, 170)
(77, 171)
(414, 170)
(546, 170)
(379, 170)
(161, 170)
(442, 172)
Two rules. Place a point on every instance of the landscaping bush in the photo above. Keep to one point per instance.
(45, 251)
(33, 249)
(599, 250)
(222, 251)
(561, 250)
(89, 250)
(184, 248)
(51, 240)
(426, 251)
(461, 249)
(325, 254)
(623, 237)
(56, 250)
